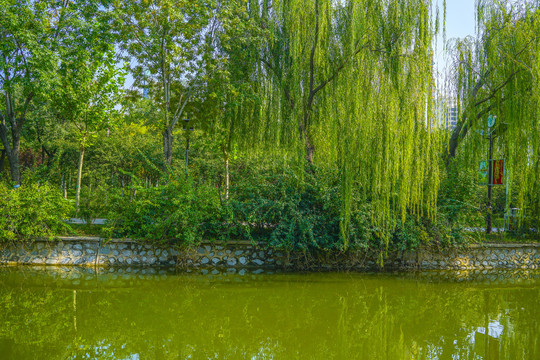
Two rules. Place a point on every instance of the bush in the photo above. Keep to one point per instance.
(294, 213)
(32, 211)
(178, 211)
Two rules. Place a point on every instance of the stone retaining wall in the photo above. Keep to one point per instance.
(488, 256)
(93, 251)
(90, 251)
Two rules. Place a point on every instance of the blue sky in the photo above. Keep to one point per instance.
(460, 22)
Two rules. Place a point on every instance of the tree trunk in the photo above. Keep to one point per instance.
(2, 158)
(167, 148)
(12, 151)
(79, 178)
(304, 135)
(64, 181)
(310, 150)
(226, 175)
(14, 166)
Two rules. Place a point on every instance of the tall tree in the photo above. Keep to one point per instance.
(28, 36)
(233, 93)
(90, 88)
(497, 73)
(349, 84)
(164, 42)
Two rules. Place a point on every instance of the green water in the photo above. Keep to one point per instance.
(80, 314)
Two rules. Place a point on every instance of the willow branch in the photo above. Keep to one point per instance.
(494, 92)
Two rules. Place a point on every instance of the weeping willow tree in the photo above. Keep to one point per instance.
(497, 73)
(348, 85)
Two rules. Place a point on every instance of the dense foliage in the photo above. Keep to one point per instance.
(497, 73)
(308, 125)
(32, 211)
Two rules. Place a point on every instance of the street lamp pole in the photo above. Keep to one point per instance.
(490, 185)
(491, 129)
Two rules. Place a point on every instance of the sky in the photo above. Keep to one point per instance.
(460, 22)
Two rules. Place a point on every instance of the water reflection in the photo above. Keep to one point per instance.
(78, 313)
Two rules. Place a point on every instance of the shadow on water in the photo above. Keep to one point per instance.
(141, 313)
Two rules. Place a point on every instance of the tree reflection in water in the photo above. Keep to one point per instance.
(78, 314)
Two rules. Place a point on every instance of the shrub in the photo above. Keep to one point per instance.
(32, 211)
(178, 211)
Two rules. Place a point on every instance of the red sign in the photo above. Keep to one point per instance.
(498, 172)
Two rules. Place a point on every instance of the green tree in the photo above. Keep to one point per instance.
(88, 92)
(29, 34)
(233, 94)
(164, 42)
(497, 73)
(348, 84)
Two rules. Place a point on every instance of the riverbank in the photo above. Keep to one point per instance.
(96, 251)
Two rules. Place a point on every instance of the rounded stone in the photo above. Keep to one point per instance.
(77, 253)
(231, 262)
(205, 260)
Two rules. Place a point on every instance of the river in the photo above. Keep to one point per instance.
(80, 313)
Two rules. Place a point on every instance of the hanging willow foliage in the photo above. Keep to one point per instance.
(498, 73)
(348, 85)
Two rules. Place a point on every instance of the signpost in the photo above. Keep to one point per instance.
(497, 172)
(483, 171)
(497, 176)
(491, 171)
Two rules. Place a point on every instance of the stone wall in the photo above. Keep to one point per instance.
(489, 256)
(90, 251)
(93, 251)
